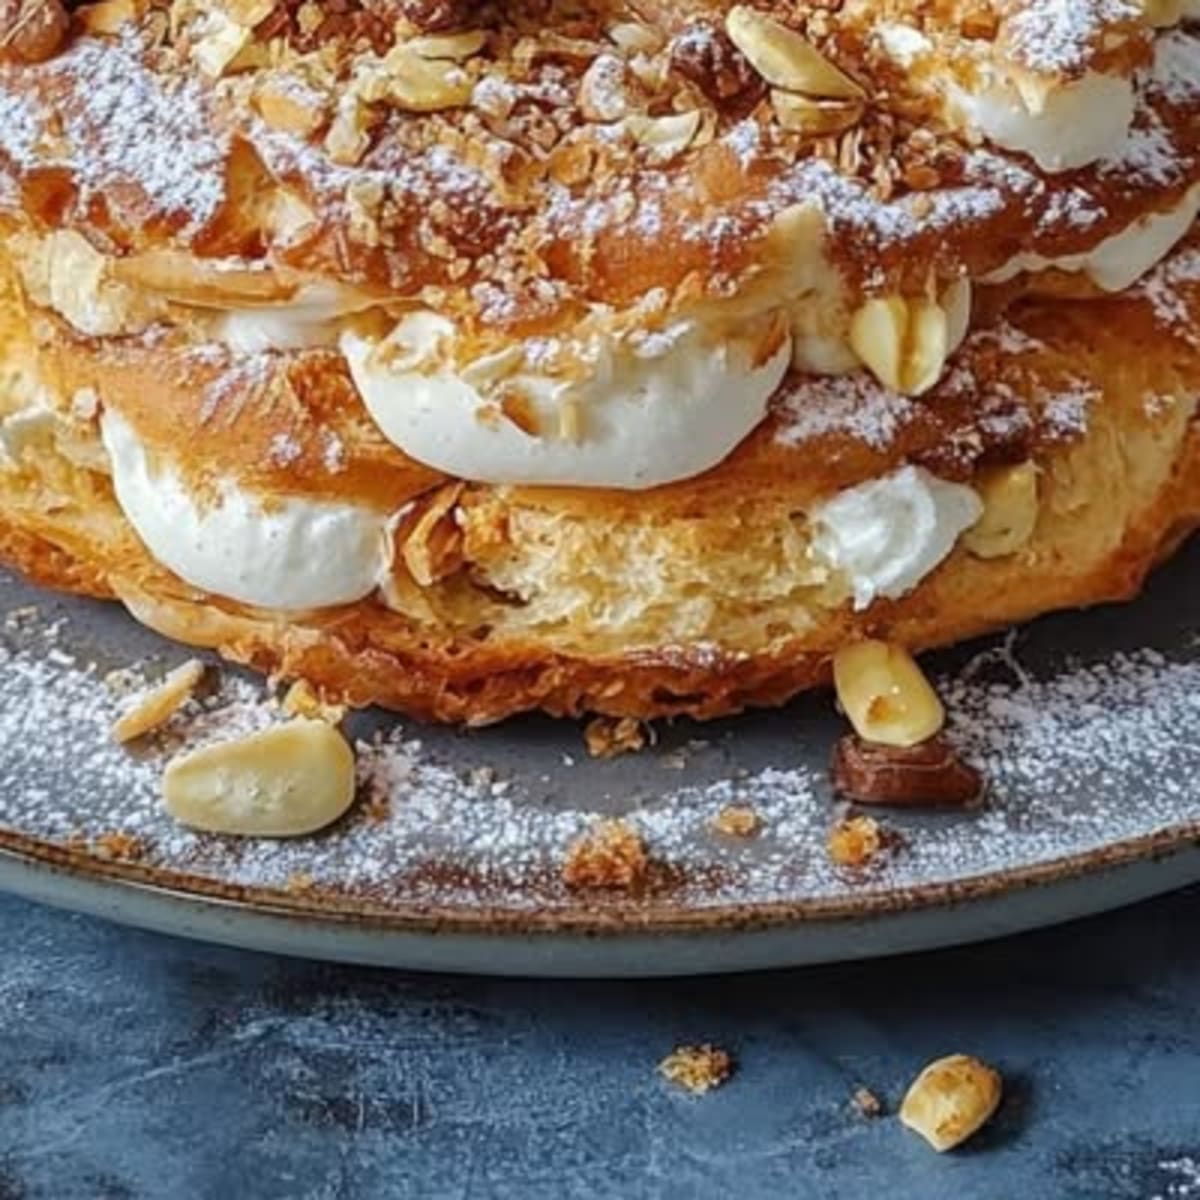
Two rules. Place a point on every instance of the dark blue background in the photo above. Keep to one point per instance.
(135, 1066)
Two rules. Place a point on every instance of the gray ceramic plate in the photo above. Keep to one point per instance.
(1084, 724)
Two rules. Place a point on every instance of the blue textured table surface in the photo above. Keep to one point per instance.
(135, 1066)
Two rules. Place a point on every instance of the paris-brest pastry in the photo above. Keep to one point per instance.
(626, 357)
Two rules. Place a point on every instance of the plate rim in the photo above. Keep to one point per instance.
(595, 914)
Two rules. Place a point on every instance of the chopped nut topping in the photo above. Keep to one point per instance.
(928, 774)
(602, 89)
(855, 842)
(737, 820)
(610, 855)
(32, 31)
(705, 55)
(815, 118)
(157, 706)
(608, 737)
(664, 137)
(456, 46)
(885, 695)
(951, 1099)
(423, 85)
(697, 1069)
(287, 103)
(107, 16)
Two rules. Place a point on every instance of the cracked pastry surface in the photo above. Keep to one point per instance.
(597, 357)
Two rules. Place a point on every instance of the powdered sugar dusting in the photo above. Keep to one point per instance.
(1062, 35)
(1078, 756)
(122, 125)
(1162, 289)
(853, 406)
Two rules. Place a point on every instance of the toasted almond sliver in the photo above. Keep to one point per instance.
(107, 16)
(664, 137)
(157, 706)
(1162, 13)
(456, 46)
(419, 84)
(206, 284)
(785, 59)
(284, 781)
(817, 118)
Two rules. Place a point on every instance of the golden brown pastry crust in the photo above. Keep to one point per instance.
(1121, 487)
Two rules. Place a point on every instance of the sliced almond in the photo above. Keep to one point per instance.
(664, 137)
(349, 135)
(785, 59)
(156, 707)
(289, 104)
(816, 118)
(885, 695)
(454, 46)
(636, 38)
(250, 12)
(1162, 13)
(602, 89)
(285, 781)
(206, 283)
(215, 52)
(107, 17)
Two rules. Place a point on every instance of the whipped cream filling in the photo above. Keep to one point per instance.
(1120, 260)
(291, 554)
(627, 412)
(887, 534)
(1061, 125)
(1074, 124)
(308, 320)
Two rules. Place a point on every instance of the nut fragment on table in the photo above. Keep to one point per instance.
(156, 707)
(867, 1103)
(929, 774)
(284, 781)
(610, 855)
(885, 695)
(697, 1069)
(951, 1099)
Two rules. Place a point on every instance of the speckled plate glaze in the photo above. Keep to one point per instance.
(1084, 724)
